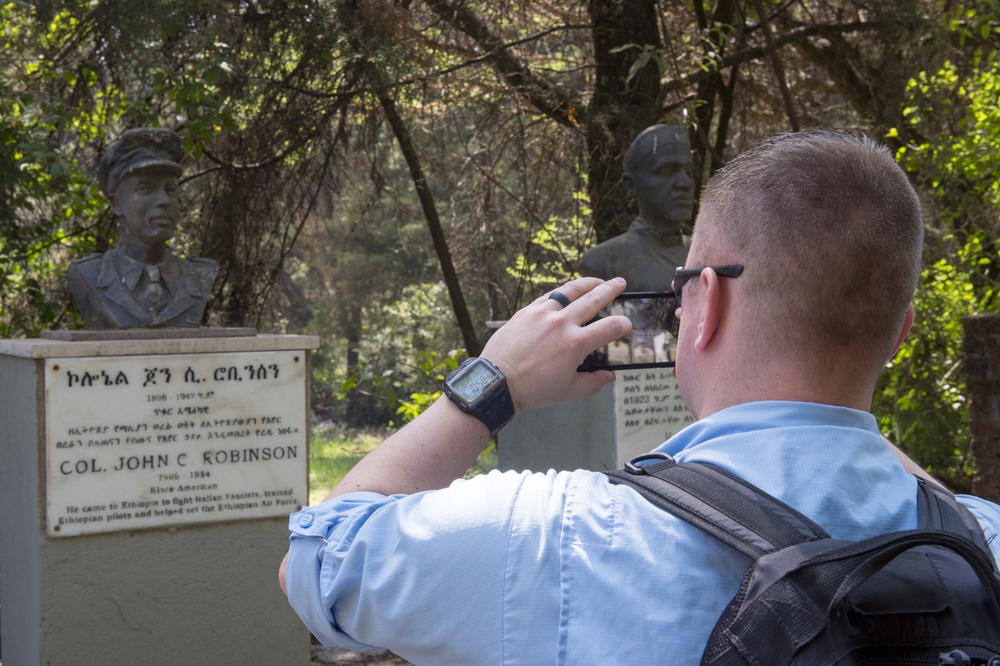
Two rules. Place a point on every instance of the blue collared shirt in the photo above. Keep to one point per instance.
(565, 568)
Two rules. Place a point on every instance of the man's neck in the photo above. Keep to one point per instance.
(846, 387)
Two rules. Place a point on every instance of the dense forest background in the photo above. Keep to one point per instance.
(393, 174)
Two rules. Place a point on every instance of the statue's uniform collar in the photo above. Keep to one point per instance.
(130, 270)
(657, 236)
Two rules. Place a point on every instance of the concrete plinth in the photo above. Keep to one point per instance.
(128, 533)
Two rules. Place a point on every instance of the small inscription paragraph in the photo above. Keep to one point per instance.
(649, 410)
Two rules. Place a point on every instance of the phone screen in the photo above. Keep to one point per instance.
(651, 344)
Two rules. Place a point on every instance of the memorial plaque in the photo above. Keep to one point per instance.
(649, 410)
(151, 441)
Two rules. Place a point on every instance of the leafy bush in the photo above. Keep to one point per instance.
(921, 401)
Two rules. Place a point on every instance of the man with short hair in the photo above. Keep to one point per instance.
(140, 283)
(658, 174)
(778, 360)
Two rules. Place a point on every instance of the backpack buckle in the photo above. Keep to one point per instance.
(633, 466)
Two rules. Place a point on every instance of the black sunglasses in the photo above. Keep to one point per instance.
(681, 277)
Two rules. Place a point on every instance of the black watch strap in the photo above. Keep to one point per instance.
(495, 408)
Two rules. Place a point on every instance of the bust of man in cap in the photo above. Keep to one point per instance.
(140, 283)
(658, 175)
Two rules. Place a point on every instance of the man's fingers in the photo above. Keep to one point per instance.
(587, 297)
(583, 298)
(572, 290)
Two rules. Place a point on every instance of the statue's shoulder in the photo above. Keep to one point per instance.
(609, 249)
(89, 266)
(88, 260)
(200, 261)
(199, 271)
(200, 265)
(627, 237)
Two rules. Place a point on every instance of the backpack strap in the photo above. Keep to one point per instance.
(722, 504)
(938, 509)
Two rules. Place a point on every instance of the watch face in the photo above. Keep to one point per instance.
(476, 381)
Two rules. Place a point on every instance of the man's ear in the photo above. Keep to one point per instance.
(711, 311)
(629, 181)
(113, 198)
(907, 324)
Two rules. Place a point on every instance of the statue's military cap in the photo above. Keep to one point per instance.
(137, 149)
(650, 140)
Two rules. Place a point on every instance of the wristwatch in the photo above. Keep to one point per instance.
(479, 388)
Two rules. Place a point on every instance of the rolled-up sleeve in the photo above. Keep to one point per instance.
(406, 572)
(318, 534)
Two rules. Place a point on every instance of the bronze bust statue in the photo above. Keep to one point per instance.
(658, 174)
(140, 283)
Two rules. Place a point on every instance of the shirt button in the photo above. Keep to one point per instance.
(306, 520)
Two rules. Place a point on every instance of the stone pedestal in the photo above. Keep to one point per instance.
(638, 412)
(144, 495)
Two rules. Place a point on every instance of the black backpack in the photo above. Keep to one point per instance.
(924, 596)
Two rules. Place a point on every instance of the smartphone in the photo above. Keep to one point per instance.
(652, 343)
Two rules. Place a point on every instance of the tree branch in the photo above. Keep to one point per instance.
(559, 103)
(779, 70)
(797, 35)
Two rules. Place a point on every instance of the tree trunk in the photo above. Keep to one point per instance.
(982, 352)
(620, 107)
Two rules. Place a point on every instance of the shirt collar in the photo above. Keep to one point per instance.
(765, 415)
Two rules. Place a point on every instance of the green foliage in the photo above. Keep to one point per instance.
(963, 167)
(386, 386)
(334, 450)
(647, 53)
(397, 356)
(921, 402)
(434, 369)
(485, 462)
(44, 186)
(952, 121)
(555, 247)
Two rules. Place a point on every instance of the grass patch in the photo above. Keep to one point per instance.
(335, 450)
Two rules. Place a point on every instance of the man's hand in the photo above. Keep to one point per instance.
(542, 345)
